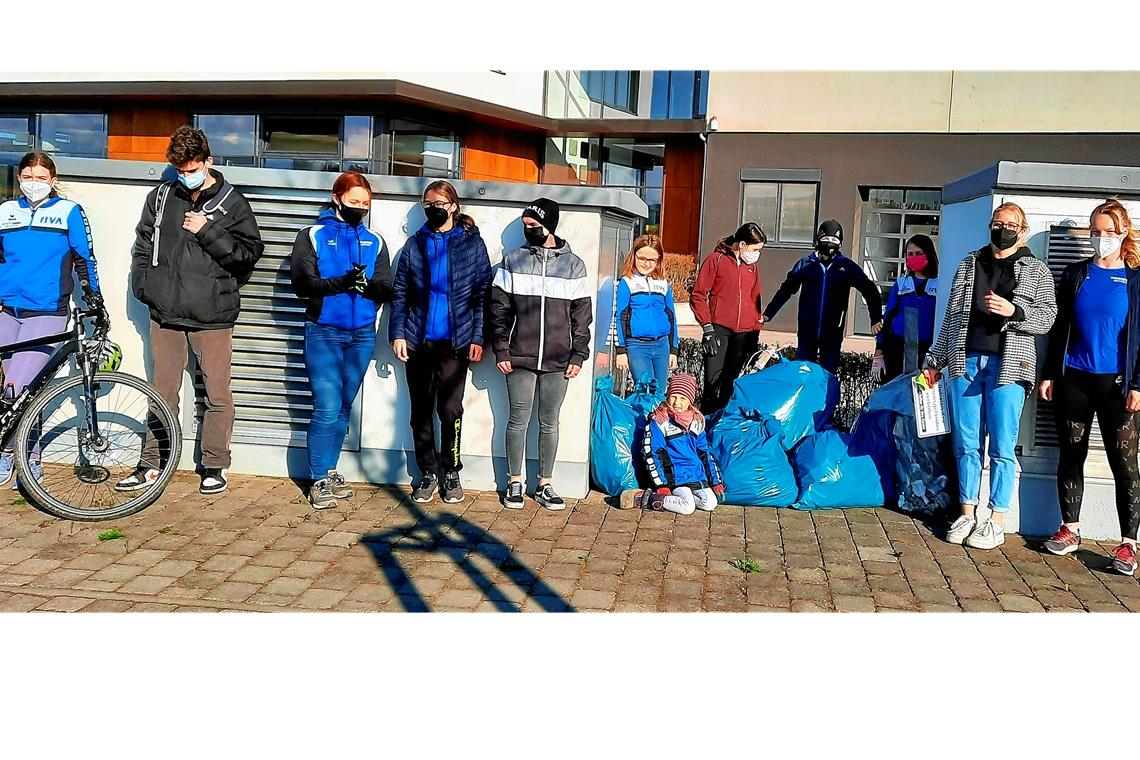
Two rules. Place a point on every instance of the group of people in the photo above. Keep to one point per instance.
(197, 243)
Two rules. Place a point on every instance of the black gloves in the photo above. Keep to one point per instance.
(94, 301)
(710, 343)
(355, 279)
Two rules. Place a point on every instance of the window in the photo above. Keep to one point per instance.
(890, 216)
(679, 94)
(639, 167)
(73, 134)
(784, 202)
(616, 89)
(234, 139)
(421, 150)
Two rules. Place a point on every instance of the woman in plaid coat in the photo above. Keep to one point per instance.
(1002, 297)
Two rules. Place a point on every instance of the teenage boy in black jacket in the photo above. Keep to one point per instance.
(196, 243)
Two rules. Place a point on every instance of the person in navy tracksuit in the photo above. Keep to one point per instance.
(825, 279)
(685, 473)
(908, 324)
(646, 319)
(44, 241)
(340, 267)
(443, 275)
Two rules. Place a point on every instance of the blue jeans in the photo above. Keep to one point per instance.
(649, 361)
(336, 361)
(978, 405)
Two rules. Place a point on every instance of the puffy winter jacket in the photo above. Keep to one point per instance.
(191, 280)
(541, 309)
(727, 292)
(676, 456)
(326, 251)
(468, 277)
(905, 294)
(39, 251)
(826, 289)
(645, 311)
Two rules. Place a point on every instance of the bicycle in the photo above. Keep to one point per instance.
(88, 430)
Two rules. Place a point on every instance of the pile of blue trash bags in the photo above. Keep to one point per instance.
(777, 447)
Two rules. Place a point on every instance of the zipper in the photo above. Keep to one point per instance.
(736, 324)
(1069, 329)
(822, 294)
(542, 309)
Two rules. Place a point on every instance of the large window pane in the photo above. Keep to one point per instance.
(681, 85)
(74, 134)
(15, 134)
(357, 136)
(659, 107)
(302, 134)
(797, 213)
(233, 138)
(420, 150)
(555, 95)
(760, 205)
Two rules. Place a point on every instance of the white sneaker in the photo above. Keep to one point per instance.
(961, 528)
(987, 536)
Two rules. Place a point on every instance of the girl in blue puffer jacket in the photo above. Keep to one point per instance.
(685, 473)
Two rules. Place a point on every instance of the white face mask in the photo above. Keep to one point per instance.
(750, 257)
(34, 190)
(1105, 246)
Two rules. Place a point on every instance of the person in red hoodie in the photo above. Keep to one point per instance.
(726, 301)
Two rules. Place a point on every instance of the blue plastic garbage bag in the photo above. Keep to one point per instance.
(801, 396)
(923, 465)
(643, 401)
(612, 433)
(843, 470)
(755, 466)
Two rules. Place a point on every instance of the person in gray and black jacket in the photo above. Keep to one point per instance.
(540, 313)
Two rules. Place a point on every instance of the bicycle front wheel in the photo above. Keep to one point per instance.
(79, 469)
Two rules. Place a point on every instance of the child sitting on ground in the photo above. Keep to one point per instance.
(684, 472)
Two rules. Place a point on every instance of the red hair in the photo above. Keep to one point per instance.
(348, 181)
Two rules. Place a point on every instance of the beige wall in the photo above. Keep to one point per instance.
(931, 102)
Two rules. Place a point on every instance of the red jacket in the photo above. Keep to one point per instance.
(727, 292)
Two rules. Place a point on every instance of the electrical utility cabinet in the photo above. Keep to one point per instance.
(1057, 199)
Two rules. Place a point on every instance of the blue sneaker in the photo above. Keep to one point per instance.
(37, 473)
(7, 467)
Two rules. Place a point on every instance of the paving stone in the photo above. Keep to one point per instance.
(107, 605)
(854, 604)
(21, 603)
(173, 568)
(1018, 603)
(64, 604)
(320, 599)
(147, 584)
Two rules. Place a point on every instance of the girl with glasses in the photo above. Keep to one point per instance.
(647, 339)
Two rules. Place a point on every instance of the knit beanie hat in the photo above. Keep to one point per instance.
(682, 384)
(545, 212)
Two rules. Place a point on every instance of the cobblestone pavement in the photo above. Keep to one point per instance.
(261, 548)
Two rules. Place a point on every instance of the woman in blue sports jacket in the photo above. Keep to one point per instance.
(340, 267)
(443, 275)
(44, 240)
(916, 292)
(647, 340)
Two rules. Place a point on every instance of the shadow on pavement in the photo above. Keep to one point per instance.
(451, 535)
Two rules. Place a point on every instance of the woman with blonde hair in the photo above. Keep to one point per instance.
(1093, 367)
(1001, 299)
(647, 339)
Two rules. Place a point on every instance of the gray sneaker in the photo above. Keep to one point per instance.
(960, 530)
(337, 486)
(320, 497)
(451, 490)
(423, 490)
(987, 536)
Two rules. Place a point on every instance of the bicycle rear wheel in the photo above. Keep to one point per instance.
(79, 471)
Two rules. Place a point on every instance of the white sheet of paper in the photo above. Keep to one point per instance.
(930, 410)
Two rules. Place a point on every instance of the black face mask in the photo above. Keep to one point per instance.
(436, 217)
(826, 250)
(1003, 239)
(534, 235)
(351, 215)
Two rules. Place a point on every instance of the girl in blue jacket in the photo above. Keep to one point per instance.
(44, 241)
(341, 268)
(647, 340)
(685, 474)
(443, 274)
(912, 299)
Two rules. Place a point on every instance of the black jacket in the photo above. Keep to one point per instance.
(187, 280)
(1068, 285)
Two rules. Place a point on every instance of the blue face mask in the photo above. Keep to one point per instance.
(193, 181)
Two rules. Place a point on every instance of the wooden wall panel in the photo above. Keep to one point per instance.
(141, 133)
(500, 157)
(681, 198)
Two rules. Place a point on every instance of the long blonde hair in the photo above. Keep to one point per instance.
(1122, 223)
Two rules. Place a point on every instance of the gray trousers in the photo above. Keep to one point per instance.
(523, 386)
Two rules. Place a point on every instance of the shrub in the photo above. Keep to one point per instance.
(681, 272)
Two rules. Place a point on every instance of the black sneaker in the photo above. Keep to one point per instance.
(141, 478)
(423, 489)
(546, 496)
(213, 481)
(514, 498)
(452, 489)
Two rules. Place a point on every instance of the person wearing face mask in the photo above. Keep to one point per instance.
(1092, 367)
(825, 278)
(443, 273)
(1001, 298)
(195, 246)
(908, 324)
(45, 242)
(540, 311)
(726, 302)
(646, 322)
(341, 269)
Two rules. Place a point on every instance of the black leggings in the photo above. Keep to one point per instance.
(1078, 396)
